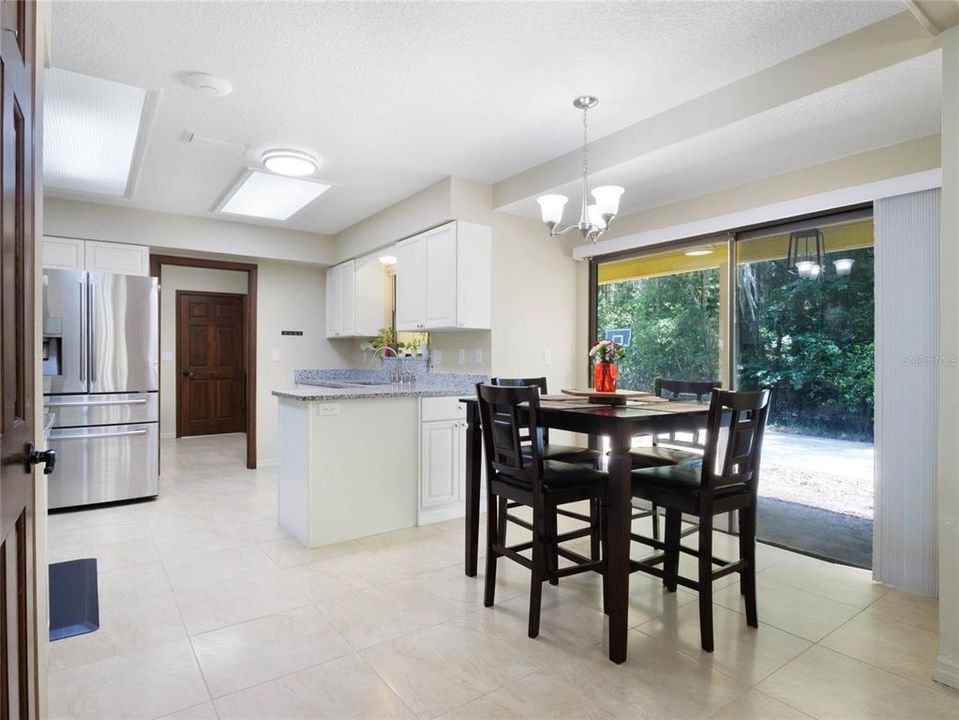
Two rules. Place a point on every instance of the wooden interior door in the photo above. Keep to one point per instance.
(211, 365)
(18, 628)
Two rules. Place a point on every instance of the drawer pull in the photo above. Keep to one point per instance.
(98, 436)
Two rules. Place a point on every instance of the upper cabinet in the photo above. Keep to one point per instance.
(95, 256)
(355, 298)
(443, 279)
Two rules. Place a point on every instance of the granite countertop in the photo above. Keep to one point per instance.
(311, 385)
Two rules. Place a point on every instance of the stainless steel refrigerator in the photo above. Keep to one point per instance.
(100, 382)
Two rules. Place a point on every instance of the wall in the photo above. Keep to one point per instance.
(173, 278)
(169, 232)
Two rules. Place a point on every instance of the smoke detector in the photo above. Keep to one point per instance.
(208, 85)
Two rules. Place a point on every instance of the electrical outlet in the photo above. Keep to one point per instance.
(275, 355)
(478, 356)
(462, 356)
(437, 357)
(547, 357)
(326, 409)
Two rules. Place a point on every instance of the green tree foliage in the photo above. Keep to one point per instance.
(810, 340)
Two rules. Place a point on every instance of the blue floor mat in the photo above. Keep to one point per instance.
(74, 604)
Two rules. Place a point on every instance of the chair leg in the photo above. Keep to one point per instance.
(552, 556)
(706, 582)
(747, 551)
(674, 523)
(595, 532)
(501, 516)
(492, 536)
(604, 525)
(538, 573)
(655, 511)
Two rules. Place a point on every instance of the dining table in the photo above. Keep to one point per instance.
(643, 415)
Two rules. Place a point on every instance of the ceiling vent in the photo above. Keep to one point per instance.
(209, 85)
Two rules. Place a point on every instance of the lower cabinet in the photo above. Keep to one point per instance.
(442, 460)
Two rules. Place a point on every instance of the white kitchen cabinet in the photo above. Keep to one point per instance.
(442, 459)
(95, 256)
(444, 279)
(355, 298)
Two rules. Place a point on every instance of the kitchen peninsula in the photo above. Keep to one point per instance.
(361, 455)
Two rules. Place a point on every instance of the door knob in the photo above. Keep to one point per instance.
(35, 457)
(186, 373)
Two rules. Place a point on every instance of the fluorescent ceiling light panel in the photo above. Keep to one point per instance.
(90, 129)
(275, 197)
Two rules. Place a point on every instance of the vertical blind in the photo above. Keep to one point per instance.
(905, 550)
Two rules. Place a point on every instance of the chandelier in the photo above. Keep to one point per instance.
(594, 219)
(806, 254)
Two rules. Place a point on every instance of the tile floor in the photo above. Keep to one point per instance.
(209, 610)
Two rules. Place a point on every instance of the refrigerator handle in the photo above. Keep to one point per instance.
(91, 335)
(83, 354)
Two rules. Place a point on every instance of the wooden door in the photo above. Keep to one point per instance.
(211, 396)
(18, 630)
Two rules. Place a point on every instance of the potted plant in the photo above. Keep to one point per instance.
(383, 344)
(604, 354)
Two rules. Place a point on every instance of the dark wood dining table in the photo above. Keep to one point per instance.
(645, 416)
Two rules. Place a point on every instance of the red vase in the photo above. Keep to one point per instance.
(605, 375)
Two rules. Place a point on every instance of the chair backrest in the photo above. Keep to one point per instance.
(743, 417)
(539, 382)
(676, 389)
(507, 429)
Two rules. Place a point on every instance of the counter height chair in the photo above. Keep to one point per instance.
(564, 453)
(726, 480)
(517, 471)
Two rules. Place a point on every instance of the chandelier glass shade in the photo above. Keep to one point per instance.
(596, 217)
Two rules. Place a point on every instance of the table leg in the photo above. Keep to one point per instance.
(474, 438)
(619, 512)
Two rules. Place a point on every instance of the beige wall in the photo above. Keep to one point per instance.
(170, 233)
(172, 279)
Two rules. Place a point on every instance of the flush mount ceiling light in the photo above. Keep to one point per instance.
(595, 218)
(699, 251)
(274, 197)
(291, 163)
(208, 85)
(388, 260)
(91, 129)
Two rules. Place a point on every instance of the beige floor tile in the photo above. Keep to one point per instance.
(216, 566)
(745, 653)
(424, 553)
(175, 546)
(755, 705)
(341, 688)
(239, 656)
(264, 529)
(485, 708)
(851, 586)
(140, 582)
(109, 556)
(214, 606)
(372, 616)
(143, 684)
(910, 608)
(124, 627)
(655, 682)
(440, 668)
(831, 686)
(788, 608)
(880, 640)
(466, 593)
(647, 597)
(338, 575)
(197, 712)
(287, 552)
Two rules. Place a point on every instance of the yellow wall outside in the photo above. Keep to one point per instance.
(846, 236)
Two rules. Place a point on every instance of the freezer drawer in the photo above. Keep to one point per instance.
(102, 464)
(111, 409)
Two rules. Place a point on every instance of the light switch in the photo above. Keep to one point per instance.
(275, 355)
(462, 356)
(326, 409)
(478, 356)
(167, 357)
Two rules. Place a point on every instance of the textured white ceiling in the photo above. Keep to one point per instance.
(893, 105)
(393, 96)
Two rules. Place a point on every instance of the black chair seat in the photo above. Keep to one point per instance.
(684, 479)
(571, 454)
(658, 456)
(559, 476)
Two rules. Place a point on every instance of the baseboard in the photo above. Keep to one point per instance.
(946, 673)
